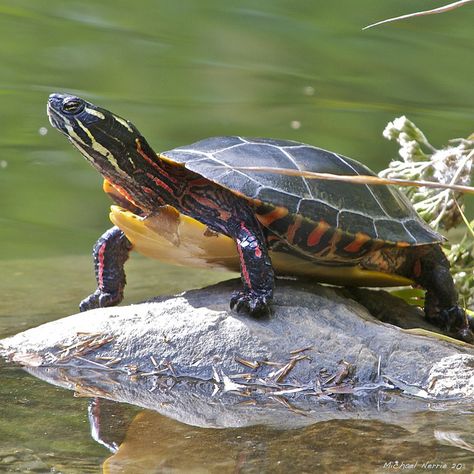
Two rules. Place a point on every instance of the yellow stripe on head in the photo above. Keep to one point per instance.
(98, 147)
(94, 112)
(87, 131)
(72, 133)
(123, 122)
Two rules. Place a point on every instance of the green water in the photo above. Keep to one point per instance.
(181, 71)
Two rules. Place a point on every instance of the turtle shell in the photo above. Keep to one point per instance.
(380, 212)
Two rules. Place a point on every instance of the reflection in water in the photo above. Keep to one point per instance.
(95, 415)
(155, 443)
(345, 434)
(46, 424)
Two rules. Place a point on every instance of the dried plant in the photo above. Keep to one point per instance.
(442, 209)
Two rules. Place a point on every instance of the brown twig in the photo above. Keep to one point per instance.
(358, 179)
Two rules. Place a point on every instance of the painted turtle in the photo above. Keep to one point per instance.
(195, 196)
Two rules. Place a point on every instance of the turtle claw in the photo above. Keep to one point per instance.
(466, 335)
(248, 301)
(466, 332)
(100, 299)
(456, 319)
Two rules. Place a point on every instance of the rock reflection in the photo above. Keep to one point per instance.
(180, 428)
(155, 443)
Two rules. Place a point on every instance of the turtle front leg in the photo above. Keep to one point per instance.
(229, 214)
(110, 254)
(256, 269)
(431, 271)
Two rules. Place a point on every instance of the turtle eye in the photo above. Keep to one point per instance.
(73, 106)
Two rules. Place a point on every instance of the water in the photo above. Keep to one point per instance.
(182, 71)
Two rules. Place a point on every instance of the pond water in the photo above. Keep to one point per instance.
(182, 71)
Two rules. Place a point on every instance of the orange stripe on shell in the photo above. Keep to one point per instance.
(316, 234)
(359, 240)
(290, 234)
(275, 214)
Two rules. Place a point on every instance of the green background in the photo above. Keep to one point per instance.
(182, 70)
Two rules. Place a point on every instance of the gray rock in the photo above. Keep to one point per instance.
(452, 376)
(297, 351)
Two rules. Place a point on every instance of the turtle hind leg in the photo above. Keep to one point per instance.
(110, 254)
(431, 271)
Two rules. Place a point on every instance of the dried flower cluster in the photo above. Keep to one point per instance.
(442, 209)
(421, 161)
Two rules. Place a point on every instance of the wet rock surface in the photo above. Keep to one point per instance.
(317, 343)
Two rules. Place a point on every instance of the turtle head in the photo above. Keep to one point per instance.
(108, 141)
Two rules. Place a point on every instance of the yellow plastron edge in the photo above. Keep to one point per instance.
(180, 240)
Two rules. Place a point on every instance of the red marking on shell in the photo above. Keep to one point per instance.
(359, 240)
(316, 234)
(258, 252)
(100, 255)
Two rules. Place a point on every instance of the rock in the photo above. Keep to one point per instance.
(452, 376)
(298, 350)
